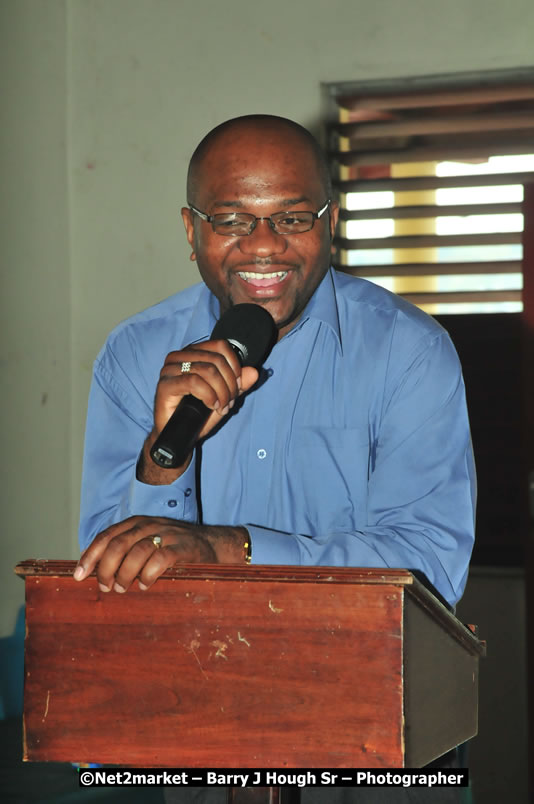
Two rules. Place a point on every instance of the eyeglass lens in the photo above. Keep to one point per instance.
(240, 223)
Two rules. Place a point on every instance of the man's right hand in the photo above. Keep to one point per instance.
(216, 378)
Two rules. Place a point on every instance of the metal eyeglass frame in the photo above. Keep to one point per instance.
(254, 220)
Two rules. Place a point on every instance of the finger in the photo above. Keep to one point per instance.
(195, 353)
(113, 556)
(188, 550)
(92, 555)
(159, 561)
(214, 383)
(249, 377)
(133, 563)
(204, 355)
(211, 390)
(119, 548)
(211, 380)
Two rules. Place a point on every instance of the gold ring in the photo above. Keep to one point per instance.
(156, 541)
(186, 367)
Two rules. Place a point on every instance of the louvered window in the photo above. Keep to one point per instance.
(431, 184)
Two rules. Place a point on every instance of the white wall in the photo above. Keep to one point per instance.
(106, 100)
(35, 312)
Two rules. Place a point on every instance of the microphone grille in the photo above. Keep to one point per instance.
(251, 328)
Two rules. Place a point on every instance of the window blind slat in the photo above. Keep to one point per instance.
(457, 297)
(433, 268)
(430, 211)
(429, 241)
(439, 99)
(432, 182)
(437, 151)
(416, 126)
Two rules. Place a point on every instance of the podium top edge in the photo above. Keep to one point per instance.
(256, 573)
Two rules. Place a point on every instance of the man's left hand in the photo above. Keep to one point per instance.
(127, 550)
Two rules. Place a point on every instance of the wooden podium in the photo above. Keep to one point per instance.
(220, 666)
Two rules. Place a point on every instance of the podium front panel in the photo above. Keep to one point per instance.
(217, 667)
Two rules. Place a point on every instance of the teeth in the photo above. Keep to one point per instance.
(246, 275)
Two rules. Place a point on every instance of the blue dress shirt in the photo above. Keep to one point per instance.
(353, 449)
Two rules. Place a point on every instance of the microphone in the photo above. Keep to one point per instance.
(251, 332)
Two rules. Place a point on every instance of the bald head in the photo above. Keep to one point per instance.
(257, 169)
(260, 130)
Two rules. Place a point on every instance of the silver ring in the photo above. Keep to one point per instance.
(186, 367)
(156, 541)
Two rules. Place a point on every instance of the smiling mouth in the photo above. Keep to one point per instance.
(262, 279)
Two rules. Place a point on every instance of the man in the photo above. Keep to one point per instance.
(351, 447)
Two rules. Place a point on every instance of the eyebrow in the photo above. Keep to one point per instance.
(285, 204)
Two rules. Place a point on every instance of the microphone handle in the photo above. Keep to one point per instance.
(179, 436)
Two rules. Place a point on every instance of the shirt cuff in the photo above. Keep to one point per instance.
(273, 546)
(177, 500)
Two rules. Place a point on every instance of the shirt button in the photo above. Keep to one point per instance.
(270, 372)
(187, 492)
(172, 503)
(261, 453)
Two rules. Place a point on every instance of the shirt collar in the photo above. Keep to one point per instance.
(204, 316)
(322, 306)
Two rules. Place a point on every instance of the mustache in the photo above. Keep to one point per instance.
(266, 263)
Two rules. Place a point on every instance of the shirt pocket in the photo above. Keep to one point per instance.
(328, 476)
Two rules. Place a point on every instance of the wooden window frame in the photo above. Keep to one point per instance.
(461, 116)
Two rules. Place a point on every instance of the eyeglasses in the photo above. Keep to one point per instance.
(236, 224)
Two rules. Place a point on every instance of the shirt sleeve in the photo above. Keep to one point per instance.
(119, 419)
(421, 486)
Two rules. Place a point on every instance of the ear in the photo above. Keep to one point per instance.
(334, 215)
(187, 217)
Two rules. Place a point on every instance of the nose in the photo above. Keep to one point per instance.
(263, 241)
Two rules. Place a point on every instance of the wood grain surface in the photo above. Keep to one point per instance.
(221, 667)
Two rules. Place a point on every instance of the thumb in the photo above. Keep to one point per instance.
(249, 376)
